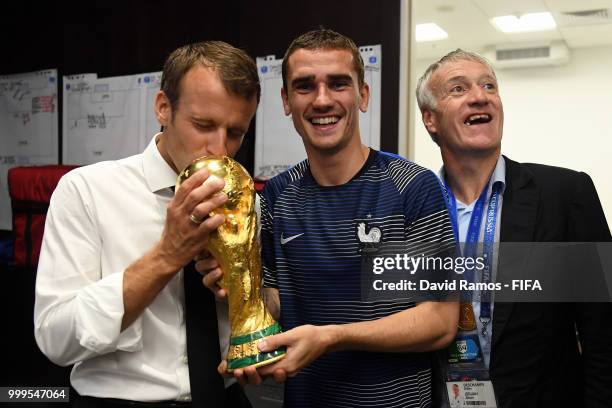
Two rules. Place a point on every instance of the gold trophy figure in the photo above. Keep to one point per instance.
(236, 247)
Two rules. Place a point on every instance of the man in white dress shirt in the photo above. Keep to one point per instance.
(109, 293)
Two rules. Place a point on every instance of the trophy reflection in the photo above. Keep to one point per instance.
(236, 247)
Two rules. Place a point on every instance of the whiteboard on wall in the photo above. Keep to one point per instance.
(278, 146)
(107, 118)
(28, 127)
(28, 114)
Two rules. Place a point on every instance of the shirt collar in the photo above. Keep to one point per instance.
(158, 173)
(499, 174)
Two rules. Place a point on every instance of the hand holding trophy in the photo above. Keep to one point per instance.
(236, 247)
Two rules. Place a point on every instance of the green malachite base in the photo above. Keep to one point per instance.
(247, 338)
(257, 359)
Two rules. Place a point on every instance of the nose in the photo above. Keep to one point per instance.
(217, 143)
(478, 96)
(322, 97)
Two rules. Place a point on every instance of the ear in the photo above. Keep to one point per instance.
(163, 109)
(364, 93)
(285, 97)
(429, 121)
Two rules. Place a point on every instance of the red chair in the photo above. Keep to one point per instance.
(30, 189)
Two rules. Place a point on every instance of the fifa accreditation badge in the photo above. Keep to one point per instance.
(470, 394)
(464, 349)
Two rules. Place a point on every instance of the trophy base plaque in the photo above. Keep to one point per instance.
(243, 351)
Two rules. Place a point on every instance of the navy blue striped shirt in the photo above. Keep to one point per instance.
(311, 240)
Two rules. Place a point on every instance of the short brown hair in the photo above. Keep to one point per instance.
(237, 71)
(324, 39)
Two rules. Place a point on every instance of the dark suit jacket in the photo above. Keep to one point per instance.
(535, 360)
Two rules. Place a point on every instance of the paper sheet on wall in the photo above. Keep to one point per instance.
(277, 144)
(108, 118)
(28, 127)
(150, 83)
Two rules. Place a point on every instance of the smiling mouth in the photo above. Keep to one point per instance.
(478, 119)
(327, 120)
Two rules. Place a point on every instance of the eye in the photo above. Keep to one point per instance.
(339, 84)
(235, 134)
(205, 127)
(490, 86)
(457, 89)
(303, 87)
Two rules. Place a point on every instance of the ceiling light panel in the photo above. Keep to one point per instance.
(525, 23)
(430, 32)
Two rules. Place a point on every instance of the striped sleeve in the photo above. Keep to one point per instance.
(267, 241)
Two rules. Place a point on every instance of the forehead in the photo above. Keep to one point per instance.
(204, 95)
(320, 62)
(461, 68)
(200, 79)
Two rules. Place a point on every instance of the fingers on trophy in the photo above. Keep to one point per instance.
(236, 247)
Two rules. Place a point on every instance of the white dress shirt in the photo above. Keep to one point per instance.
(101, 219)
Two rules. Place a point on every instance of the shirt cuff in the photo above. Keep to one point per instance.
(100, 312)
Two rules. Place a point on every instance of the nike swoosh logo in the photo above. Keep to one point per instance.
(291, 238)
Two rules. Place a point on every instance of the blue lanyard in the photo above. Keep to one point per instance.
(473, 235)
(473, 232)
(489, 240)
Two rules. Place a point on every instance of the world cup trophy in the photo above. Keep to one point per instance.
(236, 247)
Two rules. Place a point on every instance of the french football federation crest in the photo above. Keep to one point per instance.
(368, 241)
(372, 236)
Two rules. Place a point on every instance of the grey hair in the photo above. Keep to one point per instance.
(425, 97)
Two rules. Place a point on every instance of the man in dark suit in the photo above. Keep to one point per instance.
(531, 350)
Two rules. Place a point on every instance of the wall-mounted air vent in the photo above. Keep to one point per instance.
(516, 56)
(583, 17)
(520, 53)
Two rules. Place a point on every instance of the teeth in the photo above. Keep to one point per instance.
(476, 117)
(473, 118)
(324, 121)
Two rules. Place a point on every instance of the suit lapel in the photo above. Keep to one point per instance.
(518, 221)
(520, 206)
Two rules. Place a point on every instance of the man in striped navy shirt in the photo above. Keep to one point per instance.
(344, 351)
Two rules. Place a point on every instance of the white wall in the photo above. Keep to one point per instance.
(560, 116)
